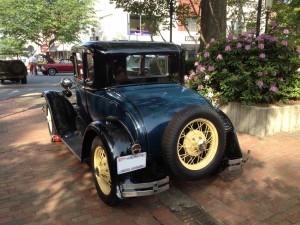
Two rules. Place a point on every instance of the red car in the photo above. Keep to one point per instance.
(62, 66)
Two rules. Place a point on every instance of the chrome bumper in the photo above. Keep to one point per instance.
(142, 189)
(235, 164)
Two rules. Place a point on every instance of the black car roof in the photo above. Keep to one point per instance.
(129, 47)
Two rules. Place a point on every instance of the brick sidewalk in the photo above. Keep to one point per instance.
(43, 183)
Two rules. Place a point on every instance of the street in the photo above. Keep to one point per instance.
(44, 183)
(35, 84)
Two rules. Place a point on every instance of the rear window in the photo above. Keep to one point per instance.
(145, 68)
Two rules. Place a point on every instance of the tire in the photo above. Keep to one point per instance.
(194, 142)
(51, 71)
(50, 123)
(103, 172)
(17, 67)
(45, 73)
(24, 80)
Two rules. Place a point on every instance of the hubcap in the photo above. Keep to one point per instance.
(197, 144)
(101, 170)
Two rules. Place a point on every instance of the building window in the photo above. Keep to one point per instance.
(139, 25)
(192, 24)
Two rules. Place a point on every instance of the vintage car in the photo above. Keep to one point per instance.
(137, 130)
(62, 66)
(13, 70)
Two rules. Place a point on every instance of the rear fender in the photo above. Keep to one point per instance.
(232, 150)
(63, 112)
(114, 136)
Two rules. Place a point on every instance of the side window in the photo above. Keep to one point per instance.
(90, 67)
(78, 66)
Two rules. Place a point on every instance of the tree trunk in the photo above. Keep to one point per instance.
(213, 20)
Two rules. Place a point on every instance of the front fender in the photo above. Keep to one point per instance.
(62, 111)
(113, 135)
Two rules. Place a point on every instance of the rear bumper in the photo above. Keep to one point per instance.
(129, 189)
(236, 164)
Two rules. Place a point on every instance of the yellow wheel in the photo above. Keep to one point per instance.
(104, 178)
(197, 144)
(194, 142)
(101, 169)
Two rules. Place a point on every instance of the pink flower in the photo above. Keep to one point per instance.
(207, 46)
(212, 40)
(196, 64)
(280, 78)
(253, 31)
(206, 77)
(247, 47)
(259, 83)
(261, 46)
(192, 74)
(200, 68)
(211, 68)
(186, 77)
(273, 88)
(298, 50)
(206, 55)
(238, 45)
(262, 55)
(286, 31)
(200, 86)
(284, 43)
(219, 56)
(273, 24)
(227, 48)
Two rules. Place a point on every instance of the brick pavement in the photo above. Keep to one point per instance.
(43, 183)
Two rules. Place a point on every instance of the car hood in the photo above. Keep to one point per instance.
(157, 104)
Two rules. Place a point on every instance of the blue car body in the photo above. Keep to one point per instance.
(135, 116)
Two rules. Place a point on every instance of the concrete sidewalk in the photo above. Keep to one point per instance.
(43, 183)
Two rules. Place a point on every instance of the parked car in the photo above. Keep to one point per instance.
(62, 66)
(136, 133)
(13, 70)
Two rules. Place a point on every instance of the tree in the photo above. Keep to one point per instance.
(287, 16)
(13, 46)
(45, 21)
(213, 19)
(211, 24)
(156, 12)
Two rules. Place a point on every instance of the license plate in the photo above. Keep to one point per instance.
(130, 163)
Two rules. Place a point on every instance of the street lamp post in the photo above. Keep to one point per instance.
(171, 19)
(269, 4)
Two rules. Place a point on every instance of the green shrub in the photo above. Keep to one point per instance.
(249, 69)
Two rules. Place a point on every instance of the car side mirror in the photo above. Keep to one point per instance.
(66, 83)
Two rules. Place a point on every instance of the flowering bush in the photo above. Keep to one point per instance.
(249, 69)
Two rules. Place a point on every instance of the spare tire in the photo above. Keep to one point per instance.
(194, 142)
(17, 67)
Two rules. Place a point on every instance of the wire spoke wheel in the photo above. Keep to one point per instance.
(103, 172)
(101, 169)
(197, 144)
(194, 142)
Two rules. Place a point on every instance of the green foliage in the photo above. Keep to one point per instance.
(288, 17)
(157, 12)
(189, 65)
(14, 46)
(250, 70)
(45, 21)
